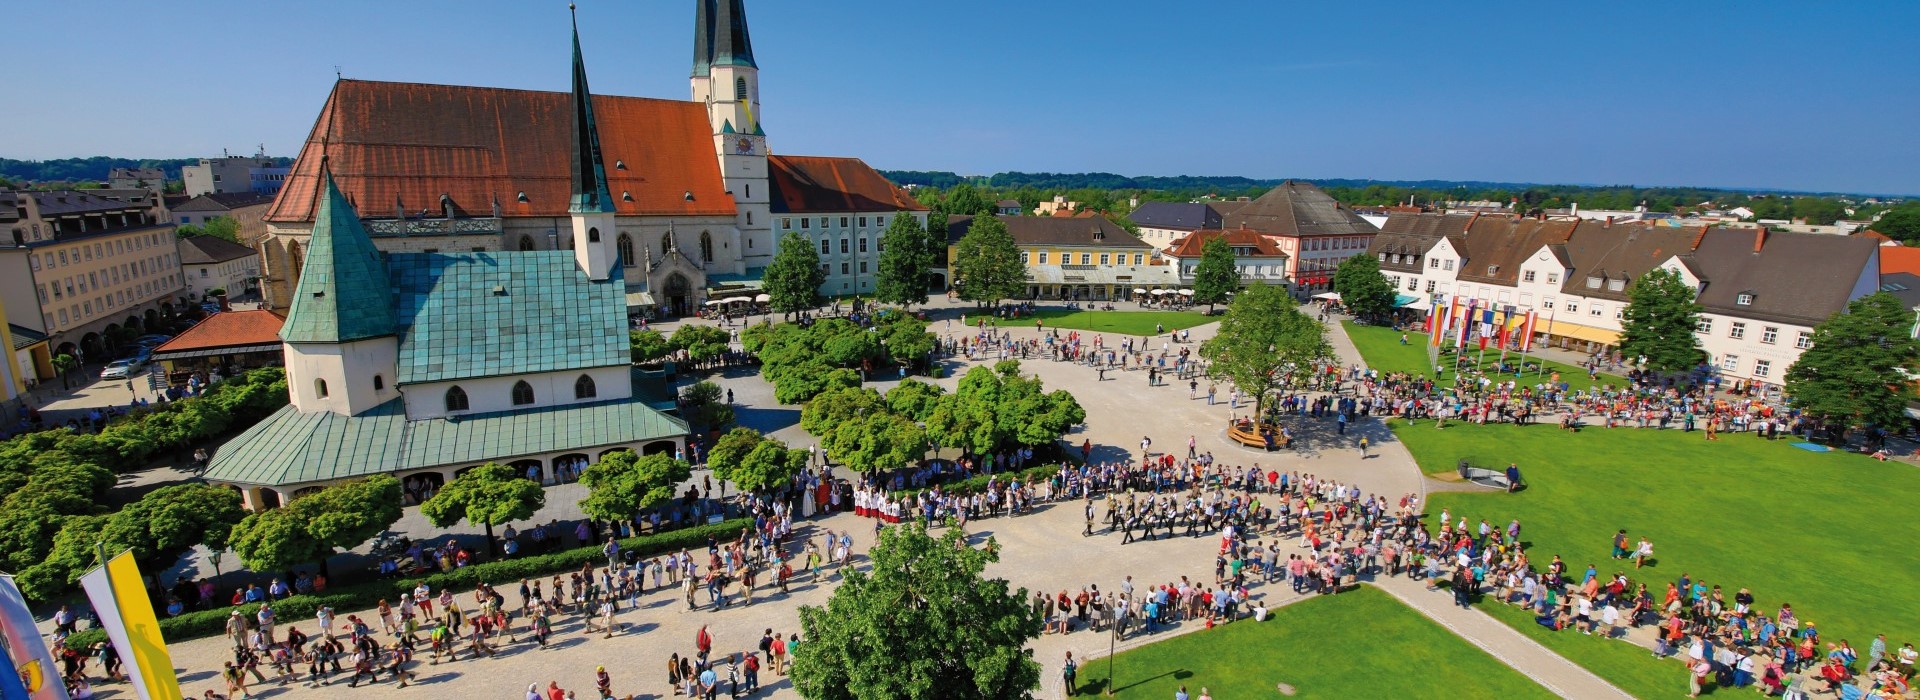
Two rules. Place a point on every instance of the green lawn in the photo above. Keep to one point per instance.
(1380, 347)
(1123, 322)
(1827, 532)
(1629, 666)
(1362, 644)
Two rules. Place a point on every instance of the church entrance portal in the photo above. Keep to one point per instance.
(677, 299)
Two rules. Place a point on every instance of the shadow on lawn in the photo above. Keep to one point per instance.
(1098, 686)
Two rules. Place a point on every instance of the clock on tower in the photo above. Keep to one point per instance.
(744, 146)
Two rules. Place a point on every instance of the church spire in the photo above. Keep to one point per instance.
(731, 45)
(589, 174)
(343, 294)
(702, 38)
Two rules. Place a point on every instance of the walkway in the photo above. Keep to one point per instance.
(1507, 644)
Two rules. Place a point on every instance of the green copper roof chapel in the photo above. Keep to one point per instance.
(590, 192)
(344, 294)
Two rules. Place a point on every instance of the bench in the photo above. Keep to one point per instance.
(1265, 436)
(1484, 477)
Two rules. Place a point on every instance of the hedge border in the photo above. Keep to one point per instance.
(208, 623)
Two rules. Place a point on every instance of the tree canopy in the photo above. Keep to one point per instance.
(648, 345)
(922, 624)
(1362, 289)
(754, 462)
(622, 483)
(1660, 323)
(1216, 276)
(1265, 343)
(793, 279)
(1854, 371)
(802, 361)
(487, 495)
(700, 342)
(315, 526)
(221, 227)
(706, 405)
(998, 408)
(906, 259)
(1901, 223)
(986, 265)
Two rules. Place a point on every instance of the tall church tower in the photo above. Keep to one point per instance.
(727, 81)
(592, 208)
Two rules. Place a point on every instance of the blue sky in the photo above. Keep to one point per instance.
(1797, 95)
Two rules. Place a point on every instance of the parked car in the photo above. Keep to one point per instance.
(122, 368)
(153, 340)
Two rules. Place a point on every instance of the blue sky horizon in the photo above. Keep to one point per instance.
(1818, 97)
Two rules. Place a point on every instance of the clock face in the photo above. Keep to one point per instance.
(743, 146)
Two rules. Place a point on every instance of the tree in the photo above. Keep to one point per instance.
(1659, 323)
(754, 462)
(986, 265)
(1901, 223)
(1362, 289)
(1264, 342)
(65, 364)
(838, 405)
(1216, 276)
(904, 262)
(313, 527)
(221, 227)
(964, 198)
(648, 345)
(1854, 371)
(913, 399)
(936, 239)
(794, 277)
(73, 551)
(906, 339)
(701, 343)
(487, 495)
(706, 405)
(922, 623)
(997, 408)
(622, 484)
(170, 520)
(877, 442)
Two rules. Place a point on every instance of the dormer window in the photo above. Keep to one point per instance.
(1493, 269)
(1593, 281)
(1745, 299)
(1616, 284)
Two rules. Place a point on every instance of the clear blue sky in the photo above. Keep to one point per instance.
(1798, 95)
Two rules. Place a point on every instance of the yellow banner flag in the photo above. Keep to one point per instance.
(127, 615)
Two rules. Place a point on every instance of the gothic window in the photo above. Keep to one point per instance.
(293, 254)
(739, 88)
(526, 243)
(626, 250)
(593, 235)
(583, 387)
(522, 393)
(706, 247)
(666, 242)
(456, 399)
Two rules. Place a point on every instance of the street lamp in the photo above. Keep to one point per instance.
(1113, 641)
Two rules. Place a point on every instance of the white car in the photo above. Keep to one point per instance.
(122, 369)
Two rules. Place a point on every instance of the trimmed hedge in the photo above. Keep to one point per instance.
(299, 608)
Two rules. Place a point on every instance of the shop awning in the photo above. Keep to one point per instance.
(639, 299)
(1586, 333)
(1417, 303)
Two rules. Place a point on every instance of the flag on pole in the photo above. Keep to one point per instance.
(34, 676)
(125, 611)
(1526, 325)
(1466, 325)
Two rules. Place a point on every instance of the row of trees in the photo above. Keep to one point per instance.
(804, 360)
(993, 410)
(700, 343)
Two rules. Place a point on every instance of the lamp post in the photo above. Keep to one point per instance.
(1113, 641)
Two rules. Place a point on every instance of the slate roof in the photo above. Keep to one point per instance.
(223, 201)
(1049, 231)
(1179, 216)
(343, 294)
(1797, 278)
(24, 337)
(1903, 285)
(1297, 209)
(464, 315)
(205, 250)
(1414, 234)
(402, 145)
(821, 184)
(227, 329)
(291, 447)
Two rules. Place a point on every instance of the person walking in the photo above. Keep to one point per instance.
(1068, 674)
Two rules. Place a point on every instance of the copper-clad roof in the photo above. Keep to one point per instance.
(397, 147)
(809, 184)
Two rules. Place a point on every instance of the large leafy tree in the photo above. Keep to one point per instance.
(1265, 343)
(1901, 223)
(648, 345)
(71, 553)
(313, 527)
(837, 406)
(964, 198)
(998, 408)
(622, 483)
(922, 624)
(986, 265)
(488, 495)
(1660, 321)
(906, 339)
(1854, 371)
(879, 441)
(794, 277)
(700, 342)
(171, 520)
(706, 405)
(913, 399)
(904, 262)
(754, 462)
(1362, 289)
(937, 238)
(1215, 276)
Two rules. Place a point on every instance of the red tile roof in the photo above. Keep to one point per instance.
(1899, 258)
(809, 184)
(400, 146)
(1193, 244)
(228, 329)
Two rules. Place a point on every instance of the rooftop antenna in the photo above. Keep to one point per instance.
(336, 72)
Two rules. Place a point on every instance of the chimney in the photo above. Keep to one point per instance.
(1759, 238)
(1609, 223)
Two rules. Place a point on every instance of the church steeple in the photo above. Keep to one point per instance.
(702, 38)
(590, 192)
(731, 45)
(344, 294)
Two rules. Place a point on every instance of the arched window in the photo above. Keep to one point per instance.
(739, 88)
(706, 247)
(522, 393)
(320, 388)
(625, 243)
(666, 242)
(456, 399)
(593, 235)
(526, 243)
(583, 387)
(379, 383)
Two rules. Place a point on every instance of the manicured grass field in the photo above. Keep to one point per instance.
(1360, 644)
(1628, 666)
(1380, 346)
(1123, 321)
(1827, 532)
